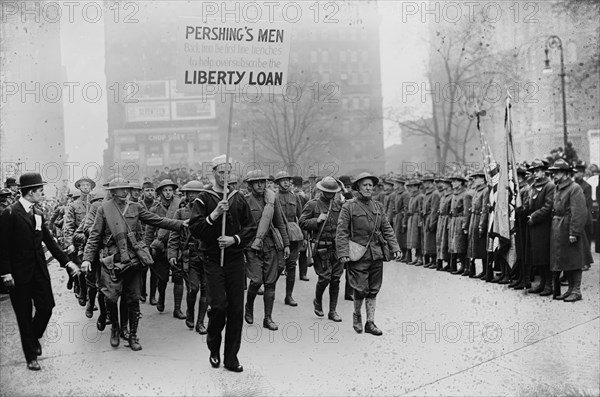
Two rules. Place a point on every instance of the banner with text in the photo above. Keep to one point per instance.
(216, 56)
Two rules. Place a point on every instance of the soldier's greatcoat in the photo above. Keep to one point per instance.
(442, 231)
(459, 221)
(479, 213)
(431, 205)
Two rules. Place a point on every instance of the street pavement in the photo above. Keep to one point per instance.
(443, 335)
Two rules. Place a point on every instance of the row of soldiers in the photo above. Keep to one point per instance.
(446, 220)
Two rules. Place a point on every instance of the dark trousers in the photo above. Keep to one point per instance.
(225, 292)
(302, 263)
(39, 292)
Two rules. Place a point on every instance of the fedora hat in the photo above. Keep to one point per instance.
(30, 179)
(537, 163)
(329, 185)
(78, 182)
(365, 175)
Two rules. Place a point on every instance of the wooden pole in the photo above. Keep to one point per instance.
(225, 186)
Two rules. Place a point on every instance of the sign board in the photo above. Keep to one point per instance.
(193, 110)
(230, 56)
(154, 161)
(148, 111)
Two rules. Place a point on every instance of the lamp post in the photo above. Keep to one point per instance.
(555, 42)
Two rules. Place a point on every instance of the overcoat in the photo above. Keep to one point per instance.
(459, 220)
(541, 200)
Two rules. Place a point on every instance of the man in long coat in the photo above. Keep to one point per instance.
(459, 224)
(477, 248)
(569, 249)
(431, 205)
(401, 201)
(441, 235)
(413, 223)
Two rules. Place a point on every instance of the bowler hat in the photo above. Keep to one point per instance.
(78, 182)
(166, 182)
(31, 179)
(579, 166)
(256, 175)
(297, 180)
(346, 180)
(10, 182)
(329, 185)
(364, 175)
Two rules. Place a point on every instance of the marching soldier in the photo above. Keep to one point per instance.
(291, 210)
(116, 235)
(569, 249)
(225, 284)
(459, 224)
(430, 215)
(346, 194)
(185, 248)
(75, 213)
(23, 267)
(320, 218)
(302, 258)
(413, 223)
(147, 201)
(262, 255)
(442, 230)
(539, 225)
(479, 212)
(363, 221)
(157, 240)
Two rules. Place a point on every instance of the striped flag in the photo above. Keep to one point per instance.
(507, 198)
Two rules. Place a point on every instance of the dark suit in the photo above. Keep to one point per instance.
(22, 255)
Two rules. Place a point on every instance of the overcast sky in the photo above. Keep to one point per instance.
(404, 57)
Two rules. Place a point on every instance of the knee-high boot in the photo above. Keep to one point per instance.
(356, 316)
(334, 291)
(318, 301)
(269, 299)
(370, 326)
(113, 312)
(190, 305)
(202, 306)
(290, 280)
(101, 322)
(575, 285)
(162, 290)
(153, 287)
(124, 316)
(178, 297)
(91, 301)
(134, 319)
(250, 297)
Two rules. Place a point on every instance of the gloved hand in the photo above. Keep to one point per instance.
(72, 269)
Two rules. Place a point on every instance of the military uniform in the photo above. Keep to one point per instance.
(442, 230)
(458, 238)
(75, 213)
(402, 204)
(477, 248)
(414, 223)
(431, 205)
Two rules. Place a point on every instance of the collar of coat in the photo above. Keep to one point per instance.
(567, 182)
(542, 181)
(460, 190)
(218, 195)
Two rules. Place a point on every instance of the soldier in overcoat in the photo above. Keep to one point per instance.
(430, 214)
(569, 249)
(459, 224)
(477, 248)
(413, 223)
(443, 224)
(401, 202)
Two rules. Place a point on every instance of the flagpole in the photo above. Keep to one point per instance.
(225, 185)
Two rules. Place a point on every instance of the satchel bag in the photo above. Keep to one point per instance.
(355, 250)
(277, 238)
(293, 229)
(139, 246)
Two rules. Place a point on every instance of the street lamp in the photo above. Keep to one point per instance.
(555, 42)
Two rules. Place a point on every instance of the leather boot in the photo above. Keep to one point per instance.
(439, 265)
(483, 266)
(334, 291)
(190, 300)
(153, 287)
(91, 301)
(113, 312)
(123, 318)
(426, 262)
(101, 322)
(489, 268)
(546, 275)
(575, 276)
(570, 286)
(433, 262)
(269, 299)
(290, 279)
(466, 267)
(454, 265)
(202, 306)
(162, 289)
(356, 317)
(408, 257)
(419, 259)
(83, 293)
(318, 301)
(178, 297)
(415, 259)
(250, 296)
(555, 285)
(134, 342)
(541, 286)
(506, 278)
(370, 326)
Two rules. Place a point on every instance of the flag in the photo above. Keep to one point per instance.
(506, 196)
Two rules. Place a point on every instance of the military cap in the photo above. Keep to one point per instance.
(329, 185)
(91, 182)
(429, 176)
(398, 179)
(458, 177)
(148, 184)
(135, 185)
(256, 175)
(215, 162)
(413, 182)
(233, 178)
(364, 175)
(118, 183)
(560, 165)
(5, 192)
(97, 196)
(479, 173)
(192, 186)
(165, 183)
(537, 163)
(281, 175)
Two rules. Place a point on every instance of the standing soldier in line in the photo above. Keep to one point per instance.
(320, 218)
(458, 238)
(539, 225)
(74, 215)
(184, 251)
(442, 231)
(225, 284)
(158, 240)
(430, 214)
(291, 210)
(302, 258)
(477, 248)
(579, 170)
(116, 235)
(388, 199)
(522, 267)
(262, 254)
(147, 202)
(401, 203)
(364, 221)
(413, 223)
(569, 249)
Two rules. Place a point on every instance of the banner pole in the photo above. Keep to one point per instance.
(225, 185)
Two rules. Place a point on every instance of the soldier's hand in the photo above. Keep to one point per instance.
(72, 269)
(186, 223)
(322, 217)
(86, 266)
(173, 261)
(8, 281)
(222, 207)
(572, 239)
(286, 252)
(225, 241)
(70, 249)
(345, 259)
